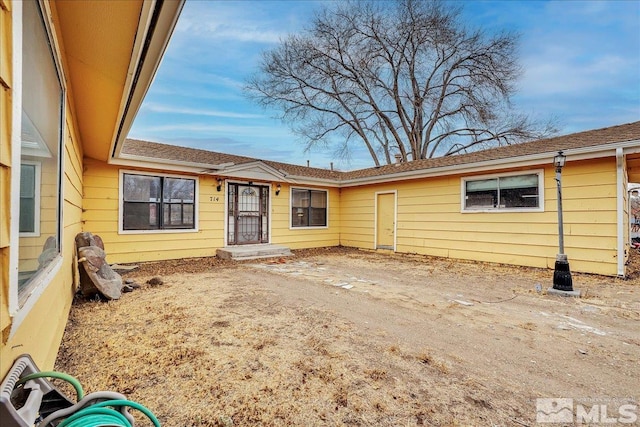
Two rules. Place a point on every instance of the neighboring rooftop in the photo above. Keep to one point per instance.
(581, 140)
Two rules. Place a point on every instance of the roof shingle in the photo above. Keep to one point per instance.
(592, 138)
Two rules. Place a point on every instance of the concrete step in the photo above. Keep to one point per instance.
(247, 252)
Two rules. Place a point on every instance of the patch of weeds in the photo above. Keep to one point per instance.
(221, 324)
(427, 359)
(529, 326)
(376, 374)
(340, 398)
(263, 343)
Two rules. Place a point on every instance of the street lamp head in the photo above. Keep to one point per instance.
(559, 160)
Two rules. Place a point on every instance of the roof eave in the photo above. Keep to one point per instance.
(604, 150)
(131, 160)
(157, 22)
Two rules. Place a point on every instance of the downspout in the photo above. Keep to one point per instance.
(620, 209)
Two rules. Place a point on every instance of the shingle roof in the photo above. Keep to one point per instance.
(586, 139)
(592, 138)
(155, 150)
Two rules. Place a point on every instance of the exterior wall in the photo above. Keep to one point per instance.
(42, 328)
(626, 237)
(430, 222)
(6, 61)
(44, 316)
(101, 201)
(301, 238)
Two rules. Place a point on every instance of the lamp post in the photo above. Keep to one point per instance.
(562, 274)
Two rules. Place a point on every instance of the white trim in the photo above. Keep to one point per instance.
(395, 218)
(196, 203)
(144, 21)
(620, 191)
(37, 201)
(465, 179)
(146, 59)
(314, 227)
(226, 208)
(225, 198)
(16, 142)
(539, 159)
(41, 280)
(44, 278)
(130, 160)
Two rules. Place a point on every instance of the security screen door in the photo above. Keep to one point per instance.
(248, 210)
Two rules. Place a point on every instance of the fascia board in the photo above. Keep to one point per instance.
(157, 164)
(607, 150)
(157, 22)
(299, 179)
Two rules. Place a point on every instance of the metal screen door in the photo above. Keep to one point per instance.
(248, 214)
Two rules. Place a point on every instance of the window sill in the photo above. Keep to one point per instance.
(42, 280)
(167, 231)
(504, 210)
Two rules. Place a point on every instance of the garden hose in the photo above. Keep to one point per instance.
(92, 410)
(101, 415)
(88, 400)
(53, 374)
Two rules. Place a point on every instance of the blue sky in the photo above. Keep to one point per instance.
(581, 63)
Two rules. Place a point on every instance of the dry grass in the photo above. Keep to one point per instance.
(239, 364)
(208, 349)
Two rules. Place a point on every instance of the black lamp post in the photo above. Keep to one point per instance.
(562, 275)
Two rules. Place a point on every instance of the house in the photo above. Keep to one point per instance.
(72, 76)
(496, 205)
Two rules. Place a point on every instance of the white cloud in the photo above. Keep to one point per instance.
(228, 21)
(254, 131)
(161, 108)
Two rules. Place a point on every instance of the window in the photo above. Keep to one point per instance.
(40, 147)
(29, 199)
(308, 208)
(157, 202)
(506, 192)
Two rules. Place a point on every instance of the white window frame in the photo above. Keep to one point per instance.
(463, 187)
(38, 185)
(196, 203)
(17, 310)
(313, 227)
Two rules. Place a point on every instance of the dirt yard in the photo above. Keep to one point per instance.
(345, 337)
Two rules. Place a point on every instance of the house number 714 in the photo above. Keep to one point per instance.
(214, 198)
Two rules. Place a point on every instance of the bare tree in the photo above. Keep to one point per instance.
(402, 77)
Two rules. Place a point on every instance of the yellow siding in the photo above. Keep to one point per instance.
(101, 201)
(41, 331)
(6, 55)
(430, 221)
(101, 217)
(299, 238)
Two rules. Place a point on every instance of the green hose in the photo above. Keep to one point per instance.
(53, 374)
(99, 415)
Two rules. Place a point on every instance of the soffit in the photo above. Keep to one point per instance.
(98, 41)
